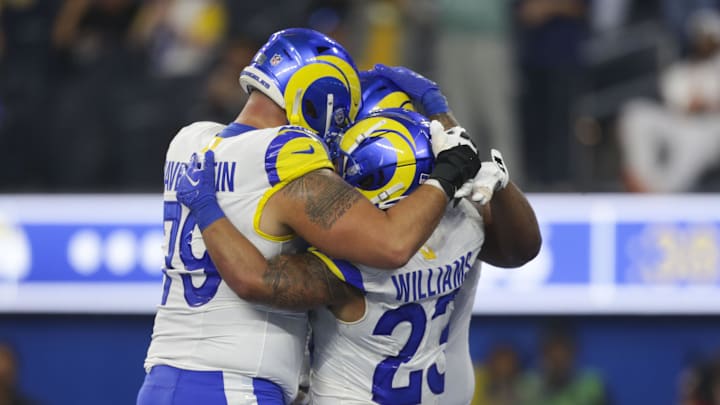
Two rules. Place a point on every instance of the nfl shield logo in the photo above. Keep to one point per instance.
(275, 59)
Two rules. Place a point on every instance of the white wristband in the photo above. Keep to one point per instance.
(436, 183)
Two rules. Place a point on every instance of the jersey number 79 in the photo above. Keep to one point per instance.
(194, 296)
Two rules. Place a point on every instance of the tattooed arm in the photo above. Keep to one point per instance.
(298, 282)
(331, 215)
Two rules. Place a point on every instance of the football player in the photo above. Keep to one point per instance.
(274, 181)
(382, 336)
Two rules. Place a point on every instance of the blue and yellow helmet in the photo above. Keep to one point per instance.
(379, 93)
(309, 75)
(386, 155)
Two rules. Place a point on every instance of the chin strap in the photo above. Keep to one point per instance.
(387, 193)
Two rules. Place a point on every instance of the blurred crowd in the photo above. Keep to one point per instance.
(506, 375)
(553, 377)
(579, 95)
(9, 391)
(700, 381)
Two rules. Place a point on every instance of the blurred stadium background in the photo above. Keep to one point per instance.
(607, 111)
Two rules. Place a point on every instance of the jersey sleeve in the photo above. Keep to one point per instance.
(295, 152)
(342, 269)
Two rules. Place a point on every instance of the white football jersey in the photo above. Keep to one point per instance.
(460, 376)
(395, 354)
(201, 324)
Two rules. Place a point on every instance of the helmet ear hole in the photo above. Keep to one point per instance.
(366, 182)
(372, 180)
(381, 178)
(309, 109)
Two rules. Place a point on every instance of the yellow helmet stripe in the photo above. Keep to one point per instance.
(298, 85)
(352, 81)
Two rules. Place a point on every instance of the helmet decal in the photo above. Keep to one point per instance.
(309, 75)
(305, 90)
(352, 80)
(276, 59)
(386, 155)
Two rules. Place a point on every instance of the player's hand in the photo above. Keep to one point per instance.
(492, 176)
(367, 75)
(456, 159)
(442, 140)
(421, 90)
(196, 190)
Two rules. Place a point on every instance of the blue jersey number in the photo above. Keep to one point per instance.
(383, 391)
(181, 235)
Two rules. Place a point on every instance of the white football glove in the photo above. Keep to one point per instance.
(444, 140)
(492, 176)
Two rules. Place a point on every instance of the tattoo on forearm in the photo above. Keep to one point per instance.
(326, 198)
(302, 282)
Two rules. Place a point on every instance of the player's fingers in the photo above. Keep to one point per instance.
(482, 195)
(436, 128)
(465, 190)
(438, 138)
(209, 158)
(366, 74)
(380, 68)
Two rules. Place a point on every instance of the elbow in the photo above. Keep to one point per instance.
(247, 290)
(239, 286)
(401, 259)
(530, 251)
(243, 283)
(527, 245)
(395, 256)
(527, 251)
(534, 244)
(513, 255)
(241, 289)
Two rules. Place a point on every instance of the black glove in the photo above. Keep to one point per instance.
(455, 166)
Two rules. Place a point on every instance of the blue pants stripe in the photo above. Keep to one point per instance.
(165, 385)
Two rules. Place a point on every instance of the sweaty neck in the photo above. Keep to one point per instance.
(261, 112)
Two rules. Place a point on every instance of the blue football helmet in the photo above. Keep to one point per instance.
(309, 75)
(379, 93)
(386, 155)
